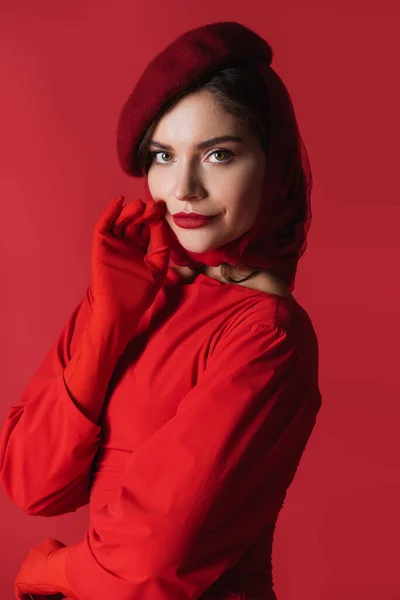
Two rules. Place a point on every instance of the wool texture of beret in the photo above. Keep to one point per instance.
(278, 237)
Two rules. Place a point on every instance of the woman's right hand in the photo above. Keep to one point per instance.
(126, 276)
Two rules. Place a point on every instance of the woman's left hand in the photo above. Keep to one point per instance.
(43, 572)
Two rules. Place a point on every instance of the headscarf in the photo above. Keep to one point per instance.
(277, 238)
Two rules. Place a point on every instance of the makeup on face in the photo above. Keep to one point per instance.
(192, 220)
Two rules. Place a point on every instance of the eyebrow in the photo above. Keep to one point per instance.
(205, 144)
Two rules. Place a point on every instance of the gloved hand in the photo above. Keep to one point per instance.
(126, 275)
(42, 573)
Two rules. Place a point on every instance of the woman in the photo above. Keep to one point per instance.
(182, 391)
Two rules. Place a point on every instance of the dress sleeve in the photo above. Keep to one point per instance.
(197, 493)
(47, 444)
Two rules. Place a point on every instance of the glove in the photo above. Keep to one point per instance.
(126, 276)
(42, 574)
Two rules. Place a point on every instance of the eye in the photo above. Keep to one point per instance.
(228, 153)
(155, 153)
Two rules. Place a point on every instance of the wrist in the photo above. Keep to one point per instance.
(111, 329)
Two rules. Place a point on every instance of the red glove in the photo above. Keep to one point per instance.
(43, 573)
(126, 277)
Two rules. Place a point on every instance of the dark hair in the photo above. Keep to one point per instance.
(239, 90)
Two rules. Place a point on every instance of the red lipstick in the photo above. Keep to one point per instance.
(192, 220)
(193, 215)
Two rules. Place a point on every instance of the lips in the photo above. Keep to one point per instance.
(184, 215)
(189, 222)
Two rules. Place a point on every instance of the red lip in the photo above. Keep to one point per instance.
(188, 222)
(192, 215)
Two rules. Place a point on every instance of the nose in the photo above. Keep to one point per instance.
(188, 184)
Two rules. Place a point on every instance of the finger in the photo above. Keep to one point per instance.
(139, 230)
(154, 208)
(158, 258)
(160, 238)
(154, 213)
(139, 234)
(158, 209)
(130, 211)
(128, 218)
(144, 234)
(109, 215)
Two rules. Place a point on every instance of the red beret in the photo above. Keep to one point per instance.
(191, 57)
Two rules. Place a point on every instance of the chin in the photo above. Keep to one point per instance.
(198, 248)
(191, 244)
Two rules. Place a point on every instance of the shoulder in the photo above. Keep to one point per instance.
(279, 318)
(261, 320)
(277, 306)
(273, 311)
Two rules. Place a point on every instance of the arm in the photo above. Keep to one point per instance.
(49, 440)
(196, 495)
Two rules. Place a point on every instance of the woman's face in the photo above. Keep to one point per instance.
(223, 178)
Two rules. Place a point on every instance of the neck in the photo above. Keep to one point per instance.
(214, 272)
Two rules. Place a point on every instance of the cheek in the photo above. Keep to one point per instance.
(161, 182)
(157, 186)
(154, 184)
(247, 190)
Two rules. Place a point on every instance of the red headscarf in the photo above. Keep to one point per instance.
(277, 239)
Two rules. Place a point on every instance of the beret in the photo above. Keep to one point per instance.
(190, 58)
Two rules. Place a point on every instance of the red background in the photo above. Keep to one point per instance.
(66, 69)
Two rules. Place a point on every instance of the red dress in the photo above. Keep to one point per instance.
(206, 417)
